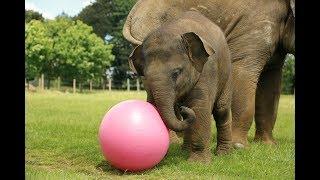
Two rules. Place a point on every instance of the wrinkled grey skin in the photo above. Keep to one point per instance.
(185, 66)
(259, 34)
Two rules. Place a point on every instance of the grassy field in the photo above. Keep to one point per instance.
(62, 143)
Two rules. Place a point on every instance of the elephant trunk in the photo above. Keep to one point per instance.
(164, 101)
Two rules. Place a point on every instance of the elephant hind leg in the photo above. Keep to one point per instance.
(267, 100)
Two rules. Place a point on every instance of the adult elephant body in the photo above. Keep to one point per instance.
(259, 34)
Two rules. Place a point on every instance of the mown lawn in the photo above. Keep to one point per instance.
(62, 143)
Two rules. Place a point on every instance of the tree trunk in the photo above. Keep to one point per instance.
(48, 84)
(80, 87)
(138, 85)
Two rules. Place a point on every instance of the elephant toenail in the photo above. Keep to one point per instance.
(238, 145)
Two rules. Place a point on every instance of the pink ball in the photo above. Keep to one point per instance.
(133, 136)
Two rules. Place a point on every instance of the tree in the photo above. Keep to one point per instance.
(107, 18)
(64, 15)
(98, 15)
(86, 56)
(288, 75)
(66, 48)
(33, 15)
(38, 48)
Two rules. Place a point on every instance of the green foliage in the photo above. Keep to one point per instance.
(97, 15)
(288, 75)
(32, 15)
(107, 18)
(38, 48)
(65, 48)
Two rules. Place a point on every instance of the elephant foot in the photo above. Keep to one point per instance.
(202, 157)
(265, 139)
(239, 141)
(223, 149)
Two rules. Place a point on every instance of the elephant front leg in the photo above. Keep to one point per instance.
(224, 136)
(199, 136)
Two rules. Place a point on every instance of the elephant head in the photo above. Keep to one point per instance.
(171, 65)
(147, 15)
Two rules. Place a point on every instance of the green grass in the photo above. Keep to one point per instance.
(62, 143)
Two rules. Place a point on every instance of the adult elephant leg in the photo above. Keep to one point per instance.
(243, 103)
(267, 99)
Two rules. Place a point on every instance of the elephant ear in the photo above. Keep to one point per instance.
(136, 61)
(292, 5)
(198, 49)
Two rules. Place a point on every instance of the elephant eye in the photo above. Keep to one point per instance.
(175, 73)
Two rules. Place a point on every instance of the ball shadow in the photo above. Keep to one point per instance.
(175, 155)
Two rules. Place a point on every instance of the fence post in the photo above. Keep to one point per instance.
(138, 84)
(59, 83)
(90, 85)
(42, 81)
(74, 86)
(39, 83)
(128, 84)
(109, 84)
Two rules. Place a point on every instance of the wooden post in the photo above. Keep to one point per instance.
(138, 85)
(128, 84)
(42, 81)
(109, 84)
(39, 83)
(59, 83)
(74, 86)
(90, 85)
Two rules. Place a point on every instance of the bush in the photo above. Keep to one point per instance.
(288, 75)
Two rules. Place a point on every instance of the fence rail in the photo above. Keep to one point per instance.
(39, 84)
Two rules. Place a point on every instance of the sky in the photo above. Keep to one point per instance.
(51, 8)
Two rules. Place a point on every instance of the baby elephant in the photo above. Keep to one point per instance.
(186, 69)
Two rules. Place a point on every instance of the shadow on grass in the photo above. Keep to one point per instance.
(174, 156)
